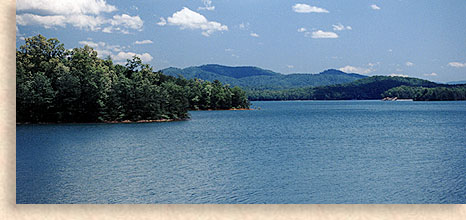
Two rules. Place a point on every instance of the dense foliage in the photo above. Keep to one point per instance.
(59, 85)
(451, 93)
(254, 78)
(375, 87)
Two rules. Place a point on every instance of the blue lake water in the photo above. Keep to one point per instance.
(286, 152)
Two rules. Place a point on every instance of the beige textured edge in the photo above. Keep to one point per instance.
(9, 210)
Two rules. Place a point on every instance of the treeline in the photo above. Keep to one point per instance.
(451, 93)
(375, 87)
(58, 85)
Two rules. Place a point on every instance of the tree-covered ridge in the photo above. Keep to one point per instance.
(451, 93)
(375, 87)
(59, 85)
(254, 78)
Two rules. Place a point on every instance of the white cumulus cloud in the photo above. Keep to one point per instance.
(322, 34)
(244, 26)
(65, 7)
(144, 42)
(457, 64)
(340, 27)
(375, 7)
(103, 49)
(145, 57)
(92, 44)
(188, 19)
(302, 29)
(353, 69)
(115, 51)
(133, 22)
(162, 22)
(304, 8)
(207, 5)
(254, 35)
(431, 74)
(409, 64)
(399, 75)
(83, 14)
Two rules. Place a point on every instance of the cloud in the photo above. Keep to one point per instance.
(244, 26)
(399, 75)
(322, 34)
(302, 29)
(457, 64)
(82, 14)
(103, 49)
(145, 57)
(115, 51)
(375, 7)
(92, 44)
(133, 22)
(100, 46)
(304, 8)
(430, 74)
(143, 42)
(290, 66)
(46, 21)
(353, 69)
(207, 5)
(409, 64)
(162, 22)
(187, 19)
(65, 7)
(254, 35)
(121, 23)
(340, 27)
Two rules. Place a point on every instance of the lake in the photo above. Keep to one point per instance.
(286, 152)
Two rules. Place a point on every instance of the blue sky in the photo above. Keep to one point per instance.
(423, 38)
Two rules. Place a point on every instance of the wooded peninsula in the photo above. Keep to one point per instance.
(56, 85)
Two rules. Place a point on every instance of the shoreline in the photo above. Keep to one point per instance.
(132, 122)
(231, 109)
(105, 122)
(144, 121)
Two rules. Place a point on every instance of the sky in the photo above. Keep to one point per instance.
(416, 38)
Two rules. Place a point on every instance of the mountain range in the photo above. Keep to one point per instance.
(331, 84)
(456, 82)
(249, 77)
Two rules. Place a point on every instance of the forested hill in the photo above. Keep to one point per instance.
(259, 79)
(58, 85)
(375, 87)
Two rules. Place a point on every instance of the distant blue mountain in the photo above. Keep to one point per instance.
(237, 72)
(250, 77)
(456, 82)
